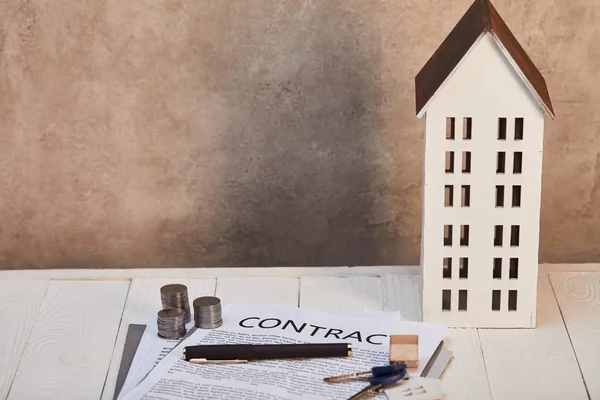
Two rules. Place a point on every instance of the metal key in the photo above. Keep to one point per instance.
(378, 384)
(375, 372)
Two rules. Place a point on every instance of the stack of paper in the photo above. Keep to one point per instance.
(174, 379)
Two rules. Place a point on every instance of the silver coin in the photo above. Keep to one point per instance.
(171, 323)
(207, 312)
(210, 326)
(174, 288)
(170, 313)
(176, 296)
(207, 301)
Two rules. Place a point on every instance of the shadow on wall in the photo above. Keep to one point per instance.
(203, 134)
(299, 99)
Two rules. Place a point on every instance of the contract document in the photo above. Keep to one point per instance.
(152, 349)
(173, 378)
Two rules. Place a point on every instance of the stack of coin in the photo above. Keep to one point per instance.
(171, 323)
(207, 312)
(176, 296)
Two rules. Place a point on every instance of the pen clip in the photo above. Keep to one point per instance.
(205, 361)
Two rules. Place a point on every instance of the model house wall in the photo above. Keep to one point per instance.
(481, 274)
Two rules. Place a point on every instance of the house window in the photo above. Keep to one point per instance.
(497, 268)
(514, 235)
(466, 162)
(447, 270)
(448, 195)
(501, 162)
(513, 273)
(463, 270)
(501, 128)
(466, 195)
(446, 299)
(518, 162)
(464, 235)
(495, 300)
(516, 196)
(447, 235)
(467, 127)
(498, 235)
(450, 122)
(499, 195)
(519, 128)
(449, 162)
(462, 300)
(512, 300)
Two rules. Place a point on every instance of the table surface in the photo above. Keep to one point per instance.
(63, 330)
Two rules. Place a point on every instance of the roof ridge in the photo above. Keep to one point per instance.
(485, 11)
(481, 17)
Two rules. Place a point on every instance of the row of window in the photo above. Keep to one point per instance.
(500, 162)
(513, 268)
(518, 133)
(462, 300)
(515, 196)
(465, 196)
(517, 162)
(467, 131)
(464, 235)
(463, 268)
(447, 300)
(466, 162)
(515, 233)
(451, 128)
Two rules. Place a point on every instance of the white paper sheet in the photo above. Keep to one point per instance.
(152, 348)
(150, 352)
(174, 379)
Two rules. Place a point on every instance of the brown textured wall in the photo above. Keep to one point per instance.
(180, 133)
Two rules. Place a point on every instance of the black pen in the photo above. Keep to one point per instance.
(240, 353)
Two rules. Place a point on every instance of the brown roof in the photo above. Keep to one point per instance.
(481, 17)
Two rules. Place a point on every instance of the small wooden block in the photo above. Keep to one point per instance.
(405, 348)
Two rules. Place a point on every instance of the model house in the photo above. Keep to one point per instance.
(484, 103)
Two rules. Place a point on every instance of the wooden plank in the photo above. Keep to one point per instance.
(465, 377)
(402, 293)
(272, 291)
(207, 273)
(578, 297)
(20, 301)
(143, 302)
(341, 293)
(69, 350)
(533, 363)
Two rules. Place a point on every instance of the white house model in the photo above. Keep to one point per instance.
(484, 104)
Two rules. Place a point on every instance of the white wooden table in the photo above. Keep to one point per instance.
(62, 331)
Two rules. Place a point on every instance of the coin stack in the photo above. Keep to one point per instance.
(176, 296)
(207, 312)
(171, 323)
